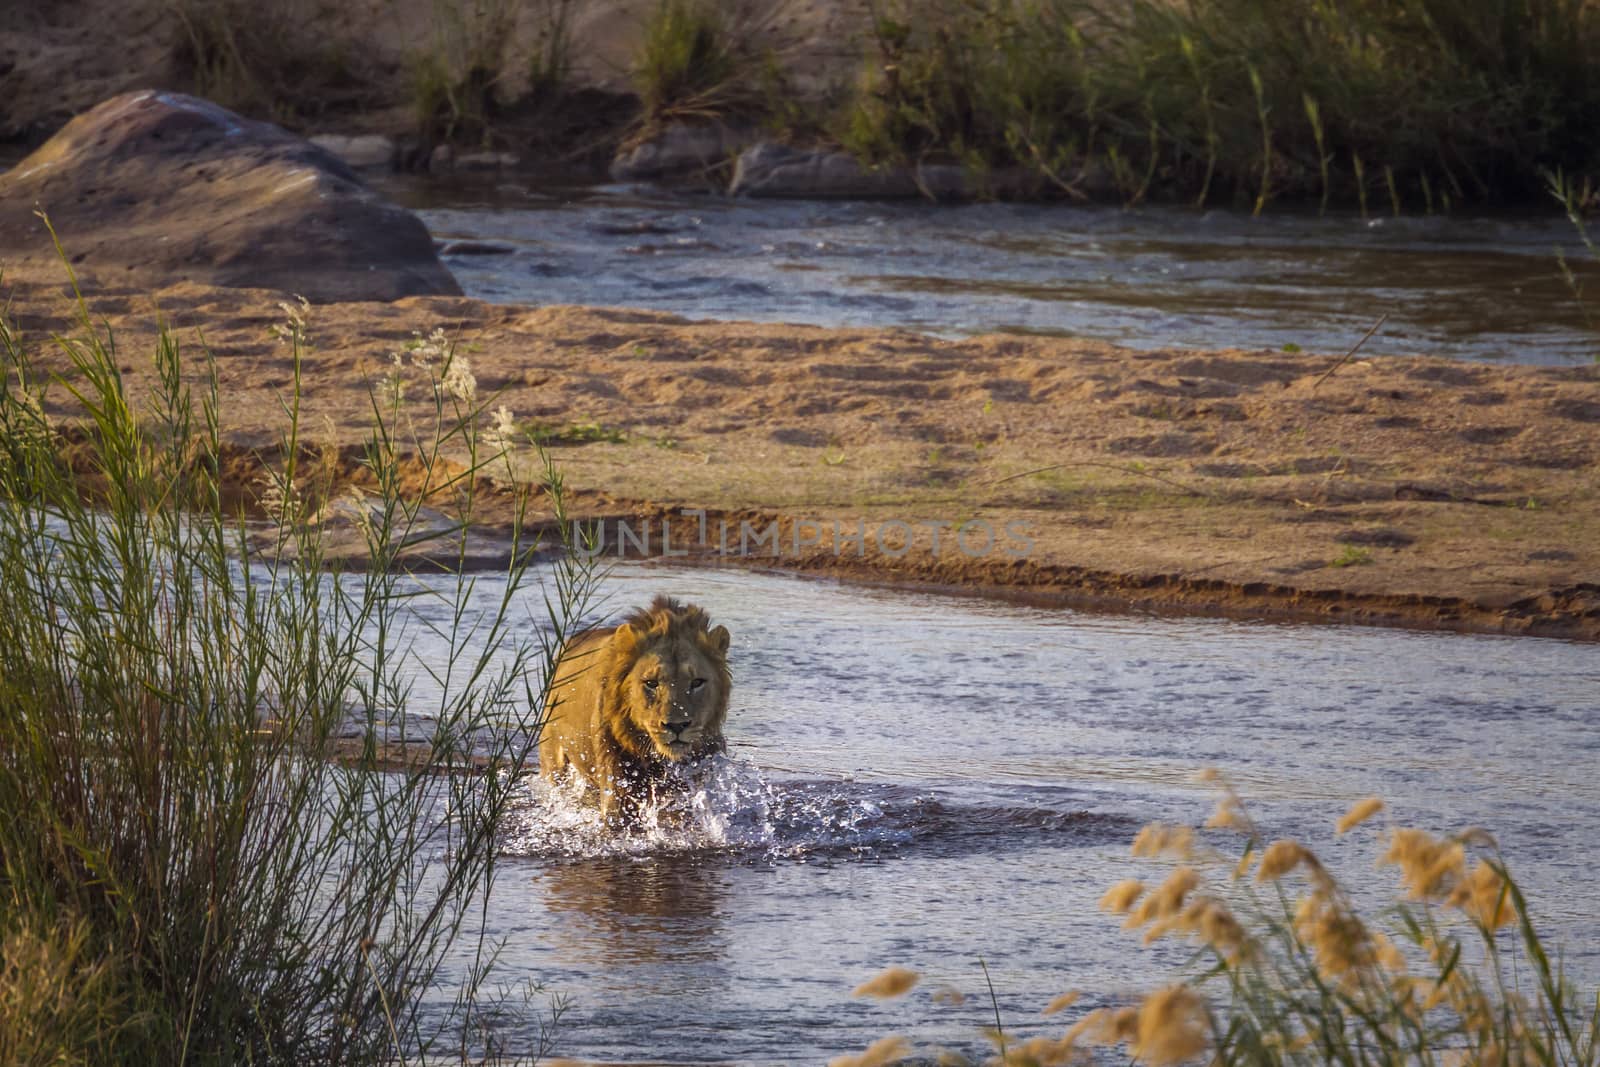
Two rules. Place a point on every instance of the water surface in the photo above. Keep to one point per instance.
(928, 781)
(1467, 288)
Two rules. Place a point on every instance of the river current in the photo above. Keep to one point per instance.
(1474, 288)
(931, 781)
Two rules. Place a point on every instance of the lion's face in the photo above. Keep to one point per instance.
(676, 691)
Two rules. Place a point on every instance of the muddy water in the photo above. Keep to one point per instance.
(1481, 289)
(929, 781)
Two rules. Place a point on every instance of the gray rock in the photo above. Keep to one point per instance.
(175, 188)
(486, 161)
(362, 151)
(775, 170)
(678, 151)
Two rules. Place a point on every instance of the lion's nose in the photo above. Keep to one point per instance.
(678, 728)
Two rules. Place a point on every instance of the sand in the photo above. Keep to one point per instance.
(1416, 492)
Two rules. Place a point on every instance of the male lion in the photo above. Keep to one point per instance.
(626, 704)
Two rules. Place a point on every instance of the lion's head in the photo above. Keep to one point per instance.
(669, 679)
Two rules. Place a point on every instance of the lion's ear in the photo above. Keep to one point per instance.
(626, 636)
(719, 638)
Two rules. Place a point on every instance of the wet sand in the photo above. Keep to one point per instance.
(1414, 492)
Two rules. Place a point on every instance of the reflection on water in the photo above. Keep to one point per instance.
(618, 910)
(1489, 289)
(926, 781)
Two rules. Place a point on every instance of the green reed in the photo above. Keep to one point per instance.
(185, 876)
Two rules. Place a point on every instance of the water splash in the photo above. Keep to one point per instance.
(733, 808)
(729, 806)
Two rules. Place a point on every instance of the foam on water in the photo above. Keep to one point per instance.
(729, 805)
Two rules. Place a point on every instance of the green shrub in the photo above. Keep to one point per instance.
(696, 61)
(1415, 104)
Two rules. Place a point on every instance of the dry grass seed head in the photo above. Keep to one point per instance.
(1120, 897)
(1061, 1003)
(1338, 939)
(894, 982)
(1484, 896)
(1172, 1027)
(1429, 867)
(885, 1050)
(1359, 812)
(1166, 900)
(1281, 857)
(1229, 814)
(1159, 839)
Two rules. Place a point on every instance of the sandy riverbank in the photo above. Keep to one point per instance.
(1412, 492)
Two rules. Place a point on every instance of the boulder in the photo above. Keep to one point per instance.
(677, 152)
(775, 170)
(173, 188)
(360, 151)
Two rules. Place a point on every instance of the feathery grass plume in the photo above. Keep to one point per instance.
(1484, 896)
(1061, 1002)
(1161, 839)
(885, 1050)
(1359, 812)
(1213, 924)
(891, 983)
(1280, 858)
(1120, 897)
(948, 995)
(1044, 1051)
(1166, 900)
(1228, 815)
(1338, 939)
(1430, 867)
(1173, 1027)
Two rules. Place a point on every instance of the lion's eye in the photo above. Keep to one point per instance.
(650, 684)
(696, 684)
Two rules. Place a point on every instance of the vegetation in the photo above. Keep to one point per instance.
(699, 60)
(1291, 971)
(1419, 104)
(184, 876)
(267, 59)
(456, 82)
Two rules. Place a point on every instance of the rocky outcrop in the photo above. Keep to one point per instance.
(679, 152)
(775, 170)
(174, 188)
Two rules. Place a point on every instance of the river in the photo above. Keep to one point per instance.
(1474, 288)
(928, 781)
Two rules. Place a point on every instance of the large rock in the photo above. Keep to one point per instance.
(679, 152)
(780, 171)
(174, 188)
(775, 170)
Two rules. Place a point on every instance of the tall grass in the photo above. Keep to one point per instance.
(185, 877)
(1443, 102)
(457, 80)
(1288, 968)
(268, 59)
(698, 59)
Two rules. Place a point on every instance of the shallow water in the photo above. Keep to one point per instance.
(1467, 288)
(928, 780)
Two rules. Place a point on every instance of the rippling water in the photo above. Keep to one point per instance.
(1469, 288)
(928, 781)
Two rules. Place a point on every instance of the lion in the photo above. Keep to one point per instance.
(627, 706)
